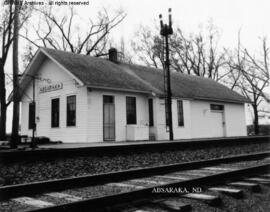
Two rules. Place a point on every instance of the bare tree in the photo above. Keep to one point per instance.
(148, 48)
(63, 33)
(198, 54)
(250, 76)
(195, 54)
(124, 54)
(6, 39)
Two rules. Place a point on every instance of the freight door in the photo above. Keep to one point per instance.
(108, 118)
(217, 121)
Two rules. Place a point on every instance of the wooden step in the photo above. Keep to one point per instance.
(247, 185)
(209, 199)
(237, 193)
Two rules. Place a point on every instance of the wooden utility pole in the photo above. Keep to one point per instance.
(16, 111)
(33, 110)
(165, 31)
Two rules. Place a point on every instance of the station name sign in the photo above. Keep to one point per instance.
(50, 88)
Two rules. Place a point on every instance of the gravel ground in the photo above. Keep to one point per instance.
(30, 171)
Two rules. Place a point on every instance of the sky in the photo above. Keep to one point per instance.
(251, 17)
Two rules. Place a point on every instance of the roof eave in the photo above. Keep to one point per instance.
(122, 89)
(222, 100)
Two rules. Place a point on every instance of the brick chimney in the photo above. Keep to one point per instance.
(113, 55)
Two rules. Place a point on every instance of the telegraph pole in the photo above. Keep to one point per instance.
(165, 31)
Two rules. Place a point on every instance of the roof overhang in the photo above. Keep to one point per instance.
(121, 89)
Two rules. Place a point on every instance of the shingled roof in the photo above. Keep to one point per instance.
(98, 72)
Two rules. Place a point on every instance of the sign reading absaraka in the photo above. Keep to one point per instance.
(49, 88)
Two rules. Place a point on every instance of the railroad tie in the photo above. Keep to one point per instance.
(237, 193)
(126, 208)
(172, 205)
(247, 185)
(259, 180)
(266, 175)
(125, 185)
(209, 199)
(65, 196)
(172, 177)
(148, 181)
(195, 173)
(33, 202)
(219, 168)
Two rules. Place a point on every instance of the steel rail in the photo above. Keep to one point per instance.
(11, 191)
(106, 202)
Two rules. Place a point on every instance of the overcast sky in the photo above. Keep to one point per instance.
(251, 16)
(229, 16)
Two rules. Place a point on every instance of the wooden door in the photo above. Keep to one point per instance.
(108, 118)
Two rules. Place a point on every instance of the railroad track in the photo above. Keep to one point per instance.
(130, 190)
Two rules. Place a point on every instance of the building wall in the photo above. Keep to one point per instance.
(235, 120)
(199, 121)
(49, 70)
(95, 113)
(206, 123)
(160, 123)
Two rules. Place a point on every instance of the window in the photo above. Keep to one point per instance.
(216, 107)
(180, 113)
(131, 110)
(55, 113)
(108, 99)
(71, 110)
(151, 115)
(31, 115)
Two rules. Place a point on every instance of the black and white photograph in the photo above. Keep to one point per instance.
(134, 106)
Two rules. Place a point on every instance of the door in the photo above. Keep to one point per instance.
(217, 124)
(108, 118)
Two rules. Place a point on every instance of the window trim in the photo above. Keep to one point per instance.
(58, 112)
(67, 122)
(127, 121)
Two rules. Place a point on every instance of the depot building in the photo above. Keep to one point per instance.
(81, 98)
